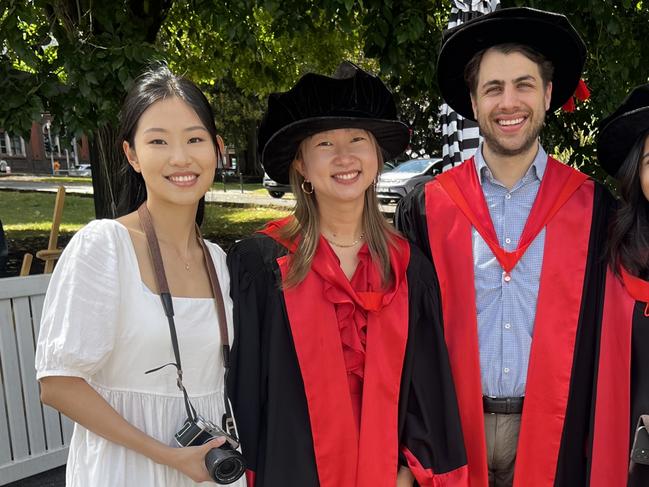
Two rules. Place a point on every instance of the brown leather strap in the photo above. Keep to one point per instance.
(167, 303)
(154, 248)
(161, 277)
(216, 291)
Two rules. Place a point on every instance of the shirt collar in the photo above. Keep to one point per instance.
(537, 168)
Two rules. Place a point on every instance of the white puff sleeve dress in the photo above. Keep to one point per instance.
(101, 323)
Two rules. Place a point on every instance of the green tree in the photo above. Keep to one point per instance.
(255, 48)
(75, 59)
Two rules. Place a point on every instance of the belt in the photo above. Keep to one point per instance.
(502, 405)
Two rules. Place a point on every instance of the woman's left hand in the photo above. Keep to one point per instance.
(190, 460)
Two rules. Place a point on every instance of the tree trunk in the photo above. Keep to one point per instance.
(252, 164)
(106, 163)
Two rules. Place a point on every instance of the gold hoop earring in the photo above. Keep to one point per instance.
(304, 188)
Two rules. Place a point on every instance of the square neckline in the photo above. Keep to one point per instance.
(143, 285)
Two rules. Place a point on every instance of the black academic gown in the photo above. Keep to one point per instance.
(622, 382)
(268, 393)
(555, 444)
(639, 474)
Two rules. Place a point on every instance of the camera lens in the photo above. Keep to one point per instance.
(224, 465)
(227, 468)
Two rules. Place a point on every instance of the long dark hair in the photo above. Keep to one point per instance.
(156, 83)
(628, 243)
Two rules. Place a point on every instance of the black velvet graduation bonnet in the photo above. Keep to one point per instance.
(620, 130)
(548, 33)
(351, 98)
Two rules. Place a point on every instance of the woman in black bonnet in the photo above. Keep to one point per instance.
(340, 373)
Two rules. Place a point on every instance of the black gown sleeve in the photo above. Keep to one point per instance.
(265, 383)
(250, 278)
(410, 219)
(430, 432)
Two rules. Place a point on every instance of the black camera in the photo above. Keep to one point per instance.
(225, 464)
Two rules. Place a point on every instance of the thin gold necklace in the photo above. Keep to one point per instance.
(345, 246)
(184, 261)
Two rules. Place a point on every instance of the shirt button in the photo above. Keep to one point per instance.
(508, 326)
(506, 370)
(507, 276)
(508, 196)
(508, 240)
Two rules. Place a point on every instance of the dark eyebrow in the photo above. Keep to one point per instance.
(195, 127)
(188, 129)
(527, 77)
(155, 129)
(499, 82)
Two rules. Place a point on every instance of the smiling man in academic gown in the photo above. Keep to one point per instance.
(516, 238)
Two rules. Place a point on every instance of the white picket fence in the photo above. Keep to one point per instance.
(33, 437)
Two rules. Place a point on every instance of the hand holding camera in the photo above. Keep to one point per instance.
(224, 464)
(191, 460)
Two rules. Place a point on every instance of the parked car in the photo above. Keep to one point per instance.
(81, 170)
(4, 167)
(388, 166)
(398, 182)
(275, 189)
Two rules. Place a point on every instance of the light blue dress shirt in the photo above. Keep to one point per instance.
(506, 309)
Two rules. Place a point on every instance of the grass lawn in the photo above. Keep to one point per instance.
(27, 215)
(30, 214)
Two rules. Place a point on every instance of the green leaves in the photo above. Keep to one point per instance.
(239, 51)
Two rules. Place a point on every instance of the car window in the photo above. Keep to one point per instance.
(414, 166)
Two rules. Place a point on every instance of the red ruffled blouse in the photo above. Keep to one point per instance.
(352, 300)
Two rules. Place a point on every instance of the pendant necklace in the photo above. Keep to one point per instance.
(345, 246)
(183, 261)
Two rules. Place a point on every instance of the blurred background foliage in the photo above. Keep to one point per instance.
(75, 59)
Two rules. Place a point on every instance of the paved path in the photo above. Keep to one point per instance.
(230, 198)
(51, 478)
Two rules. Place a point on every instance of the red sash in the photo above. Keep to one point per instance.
(610, 464)
(557, 187)
(455, 203)
(637, 288)
(343, 457)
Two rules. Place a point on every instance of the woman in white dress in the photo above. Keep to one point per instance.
(103, 323)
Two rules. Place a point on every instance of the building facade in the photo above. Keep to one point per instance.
(44, 152)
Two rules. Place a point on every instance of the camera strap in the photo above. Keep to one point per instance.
(167, 304)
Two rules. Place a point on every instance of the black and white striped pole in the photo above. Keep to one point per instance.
(460, 136)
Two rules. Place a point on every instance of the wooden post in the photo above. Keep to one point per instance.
(54, 232)
(27, 264)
